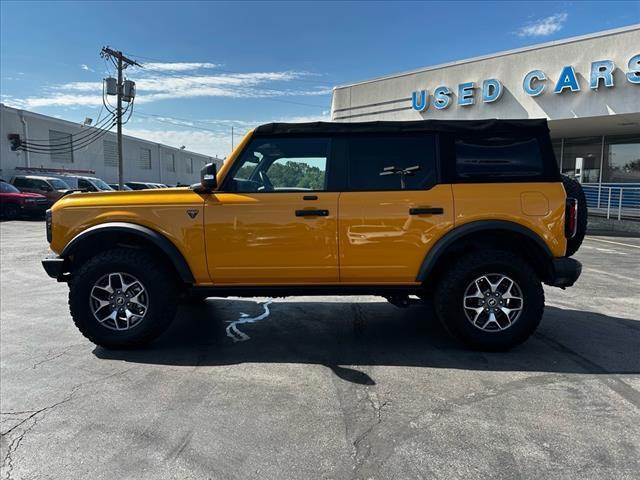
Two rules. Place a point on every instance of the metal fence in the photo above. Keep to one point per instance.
(613, 200)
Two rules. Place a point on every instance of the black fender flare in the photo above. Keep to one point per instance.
(159, 240)
(458, 233)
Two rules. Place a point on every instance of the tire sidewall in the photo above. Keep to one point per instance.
(159, 305)
(521, 329)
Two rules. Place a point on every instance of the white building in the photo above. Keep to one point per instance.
(587, 87)
(144, 161)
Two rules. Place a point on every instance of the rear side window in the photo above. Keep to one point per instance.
(391, 162)
(518, 157)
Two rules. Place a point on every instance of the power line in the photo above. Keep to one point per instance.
(48, 142)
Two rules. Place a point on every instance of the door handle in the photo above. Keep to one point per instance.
(312, 213)
(426, 211)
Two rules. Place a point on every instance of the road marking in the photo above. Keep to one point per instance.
(614, 275)
(615, 243)
(232, 329)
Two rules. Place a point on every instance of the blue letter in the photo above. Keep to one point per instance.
(465, 94)
(423, 104)
(602, 69)
(567, 79)
(441, 98)
(491, 90)
(527, 84)
(634, 69)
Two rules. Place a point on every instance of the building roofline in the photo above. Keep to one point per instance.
(538, 46)
(76, 125)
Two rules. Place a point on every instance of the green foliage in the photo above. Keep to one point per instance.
(296, 174)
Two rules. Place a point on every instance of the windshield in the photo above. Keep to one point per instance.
(8, 188)
(101, 184)
(58, 184)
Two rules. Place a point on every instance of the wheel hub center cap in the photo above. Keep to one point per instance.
(120, 301)
(492, 302)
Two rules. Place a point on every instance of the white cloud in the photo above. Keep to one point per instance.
(86, 67)
(178, 66)
(216, 142)
(157, 87)
(544, 26)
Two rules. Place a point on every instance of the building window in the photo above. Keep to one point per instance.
(581, 158)
(110, 153)
(622, 159)
(170, 161)
(557, 150)
(144, 162)
(189, 165)
(61, 144)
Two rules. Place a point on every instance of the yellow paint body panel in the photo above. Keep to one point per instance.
(163, 210)
(537, 206)
(380, 242)
(256, 238)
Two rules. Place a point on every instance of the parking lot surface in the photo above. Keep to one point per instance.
(316, 387)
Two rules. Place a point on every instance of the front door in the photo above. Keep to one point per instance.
(392, 209)
(274, 221)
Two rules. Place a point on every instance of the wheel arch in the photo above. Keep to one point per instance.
(502, 233)
(129, 233)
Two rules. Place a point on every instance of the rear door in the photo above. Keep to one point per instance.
(392, 208)
(274, 219)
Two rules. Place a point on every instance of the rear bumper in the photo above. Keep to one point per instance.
(54, 266)
(564, 272)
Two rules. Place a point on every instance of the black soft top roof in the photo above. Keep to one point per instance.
(446, 126)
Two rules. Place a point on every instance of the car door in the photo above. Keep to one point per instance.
(392, 208)
(274, 219)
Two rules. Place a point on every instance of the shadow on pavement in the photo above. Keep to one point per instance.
(353, 334)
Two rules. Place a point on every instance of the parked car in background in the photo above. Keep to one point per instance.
(115, 186)
(51, 187)
(87, 184)
(158, 185)
(139, 185)
(14, 203)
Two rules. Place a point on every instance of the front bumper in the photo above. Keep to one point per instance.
(54, 266)
(564, 272)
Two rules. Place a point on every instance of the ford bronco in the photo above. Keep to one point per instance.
(469, 216)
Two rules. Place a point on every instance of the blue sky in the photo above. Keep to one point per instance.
(213, 65)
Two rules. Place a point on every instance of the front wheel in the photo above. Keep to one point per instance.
(122, 298)
(491, 300)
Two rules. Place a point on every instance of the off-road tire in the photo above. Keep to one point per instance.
(11, 211)
(449, 297)
(155, 277)
(574, 190)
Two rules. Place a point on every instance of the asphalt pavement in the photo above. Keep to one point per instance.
(315, 387)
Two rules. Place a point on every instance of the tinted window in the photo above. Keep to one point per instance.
(391, 162)
(6, 188)
(21, 182)
(498, 157)
(282, 164)
(58, 184)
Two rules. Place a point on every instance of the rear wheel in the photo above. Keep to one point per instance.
(574, 190)
(491, 300)
(122, 298)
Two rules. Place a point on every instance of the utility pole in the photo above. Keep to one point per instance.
(121, 62)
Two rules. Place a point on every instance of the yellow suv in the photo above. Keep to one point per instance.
(472, 216)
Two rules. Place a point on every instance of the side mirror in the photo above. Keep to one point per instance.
(208, 180)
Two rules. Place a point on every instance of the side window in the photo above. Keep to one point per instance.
(282, 164)
(20, 183)
(478, 157)
(85, 185)
(391, 162)
(40, 185)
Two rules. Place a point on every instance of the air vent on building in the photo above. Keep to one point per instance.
(110, 153)
(144, 161)
(61, 145)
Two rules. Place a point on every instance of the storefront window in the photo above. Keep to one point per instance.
(622, 159)
(581, 158)
(557, 150)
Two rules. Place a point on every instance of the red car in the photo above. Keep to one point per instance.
(14, 203)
